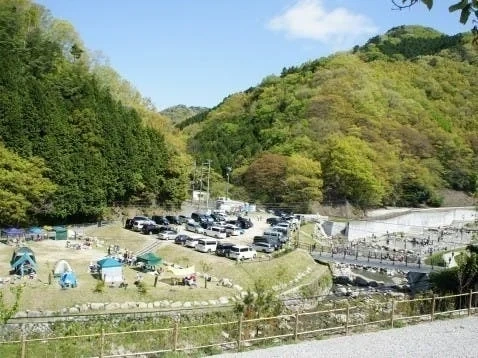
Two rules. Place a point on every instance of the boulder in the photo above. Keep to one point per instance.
(96, 306)
(176, 304)
(112, 306)
(73, 310)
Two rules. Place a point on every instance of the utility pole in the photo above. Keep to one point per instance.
(200, 190)
(228, 171)
(208, 163)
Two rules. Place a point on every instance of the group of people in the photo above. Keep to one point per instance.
(127, 257)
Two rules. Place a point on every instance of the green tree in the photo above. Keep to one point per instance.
(24, 189)
(350, 172)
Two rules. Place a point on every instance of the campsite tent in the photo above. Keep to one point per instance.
(148, 261)
(61, 233)
(111, 270)
(23, 261)
(36, 233)
(61, 267)
(13, 233)
(68, 279)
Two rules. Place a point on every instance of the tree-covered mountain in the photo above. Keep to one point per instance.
(178, 114)
(388, 123)
(86, 143)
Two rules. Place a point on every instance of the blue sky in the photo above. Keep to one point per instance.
(196, 52)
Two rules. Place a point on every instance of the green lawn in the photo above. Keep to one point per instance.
(38, 295)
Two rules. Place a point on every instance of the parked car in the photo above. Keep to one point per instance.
(181, 239)
(283, 230)
(223, 248)
(173, 219)
(194, 227)
(244, 223)
(242, 252)
(206, 245)
(217, 232)
(233, 230)
(149, 229)
(183, 219)
(273, 220)
(191, 242)
(275, 242)
(139, 223)
(275, 235)
(167, 235)
(263, 247)
(160, 220)
(202, 218)
(219, 218)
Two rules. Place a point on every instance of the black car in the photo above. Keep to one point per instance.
(160, 220)
(223, 248)
(173, 219)
(273, 221)
(273, 241)
(183, 219)
(181, 239)
(153, 229)
(218, 218)
(244, 223)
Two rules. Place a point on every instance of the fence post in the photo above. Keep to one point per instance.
(469, 302)
(24, 346)
(239, 333)
(347, 317)
(432, 314)
(175, 335)
(296, 328)
(102, 343)
(392, 312)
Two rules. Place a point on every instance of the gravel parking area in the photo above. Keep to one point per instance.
(451, 338)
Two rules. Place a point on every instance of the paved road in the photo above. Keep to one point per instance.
(386, 264)
(454, 338)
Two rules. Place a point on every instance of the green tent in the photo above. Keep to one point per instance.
(149, 259)
(61, 233)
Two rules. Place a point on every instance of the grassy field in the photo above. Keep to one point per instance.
(39, 295)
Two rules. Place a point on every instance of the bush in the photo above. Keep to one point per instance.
(100, 287)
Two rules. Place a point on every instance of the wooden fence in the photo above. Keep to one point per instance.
(240, 334)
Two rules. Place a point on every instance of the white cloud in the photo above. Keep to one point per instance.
(308, 19)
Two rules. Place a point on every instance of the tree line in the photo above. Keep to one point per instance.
(70, 148)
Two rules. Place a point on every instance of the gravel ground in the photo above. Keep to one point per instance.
(450, 338)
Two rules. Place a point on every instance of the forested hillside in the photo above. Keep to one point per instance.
(388, 123)
(178, 114)
(71, 144)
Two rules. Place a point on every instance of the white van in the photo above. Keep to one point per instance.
(217, 232)
(232, 230)
(206, 245)
(242, 252)
(273, 234)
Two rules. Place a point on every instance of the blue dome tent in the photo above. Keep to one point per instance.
(68, 279)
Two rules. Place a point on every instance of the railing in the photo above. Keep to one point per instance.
(243, 333)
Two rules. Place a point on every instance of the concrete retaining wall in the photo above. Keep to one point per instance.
(416, 221)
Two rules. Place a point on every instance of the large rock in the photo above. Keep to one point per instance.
(176, 304)
(223, 300)
(96, 306)
(73, 310)
(112, 306)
